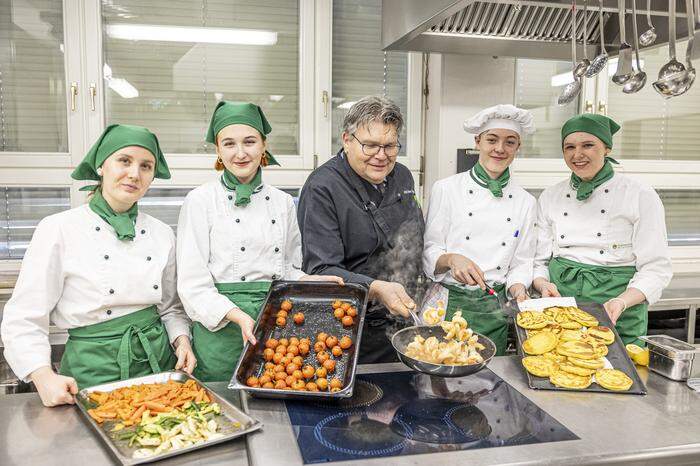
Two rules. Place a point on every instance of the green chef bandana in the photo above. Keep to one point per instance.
(598, 125)
(243, 190)
(243, 113)
(482, 178)
(584, 189)
(113, 138)
(123, 223)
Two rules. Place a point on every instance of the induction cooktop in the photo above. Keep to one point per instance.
(406, 413)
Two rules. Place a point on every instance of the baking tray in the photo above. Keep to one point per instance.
(232, 422)
(314, 299)
(617, 355)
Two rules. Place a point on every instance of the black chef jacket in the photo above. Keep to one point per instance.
(361, 233)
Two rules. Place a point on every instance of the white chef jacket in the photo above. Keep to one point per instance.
(622, 223)
(219, 242)
(497, 233)
(76, 272)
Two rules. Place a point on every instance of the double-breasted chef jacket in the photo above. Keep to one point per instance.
(219, 242)
(362, 233)
(497, 233)
(76, 272)
(622, 223)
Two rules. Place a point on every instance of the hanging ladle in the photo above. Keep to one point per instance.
(624, 57)
(648, 37)
(572, 89)
(637, 81)
(583, 65)
(601, 60)
(670, 72)
(679, 83)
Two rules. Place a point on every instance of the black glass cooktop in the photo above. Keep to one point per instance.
(406, 413)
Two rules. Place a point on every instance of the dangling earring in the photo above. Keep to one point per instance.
(264, 161)
(219, 161)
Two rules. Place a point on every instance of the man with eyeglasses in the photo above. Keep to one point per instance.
(360, 220)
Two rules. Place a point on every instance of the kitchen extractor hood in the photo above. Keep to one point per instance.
(513, 28)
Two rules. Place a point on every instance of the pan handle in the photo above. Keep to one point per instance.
(414, 316)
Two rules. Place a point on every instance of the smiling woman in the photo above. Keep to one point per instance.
(491, 248)
(236, 235)
(601, 234)
(107, 275)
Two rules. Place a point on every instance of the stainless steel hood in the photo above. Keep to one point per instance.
(512, 28)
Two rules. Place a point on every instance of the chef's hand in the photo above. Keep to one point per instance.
(546, 288)
(322, 278)
(614, 308)
(54, 389)
(519, 292)
(464, 270)
(245, 322)
(393, 296)
(185, 356)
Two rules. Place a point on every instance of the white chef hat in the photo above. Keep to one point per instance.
(502, 117)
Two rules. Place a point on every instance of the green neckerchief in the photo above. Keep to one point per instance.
(584, 189)
(243, 190)
(123, 224)
(485, 181)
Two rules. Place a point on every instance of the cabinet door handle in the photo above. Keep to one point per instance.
(73, 95)
(93, 94)
(602, 108)
(325, 99)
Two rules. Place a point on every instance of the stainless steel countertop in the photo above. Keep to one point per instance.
(31, 434)
(662, 427)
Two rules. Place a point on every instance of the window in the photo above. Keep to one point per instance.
(682, 216)
(538, 84)
(167, 64)
(21, 209)
(654, 127)
(360, 67)
(164, 204)
(32, 79)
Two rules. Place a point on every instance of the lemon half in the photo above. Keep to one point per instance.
(639, 355)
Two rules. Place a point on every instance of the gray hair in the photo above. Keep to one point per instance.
(373, 108)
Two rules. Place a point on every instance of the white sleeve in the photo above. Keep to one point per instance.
(650, 247)
(170, 308)
(195, 284)
(25, 322)
(545, 238)
(292, 250)
(435, 237)
(522, 262)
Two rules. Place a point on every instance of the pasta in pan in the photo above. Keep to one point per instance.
(459, 347)
(433, 315)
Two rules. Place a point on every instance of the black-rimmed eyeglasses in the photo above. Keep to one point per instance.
(370, 150)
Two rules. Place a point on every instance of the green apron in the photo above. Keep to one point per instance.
(218, 352)
(598, 284)
(482, 312)
(128, 346)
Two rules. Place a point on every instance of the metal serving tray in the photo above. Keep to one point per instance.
(617, 355)
(314, 299)
(232, 422)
